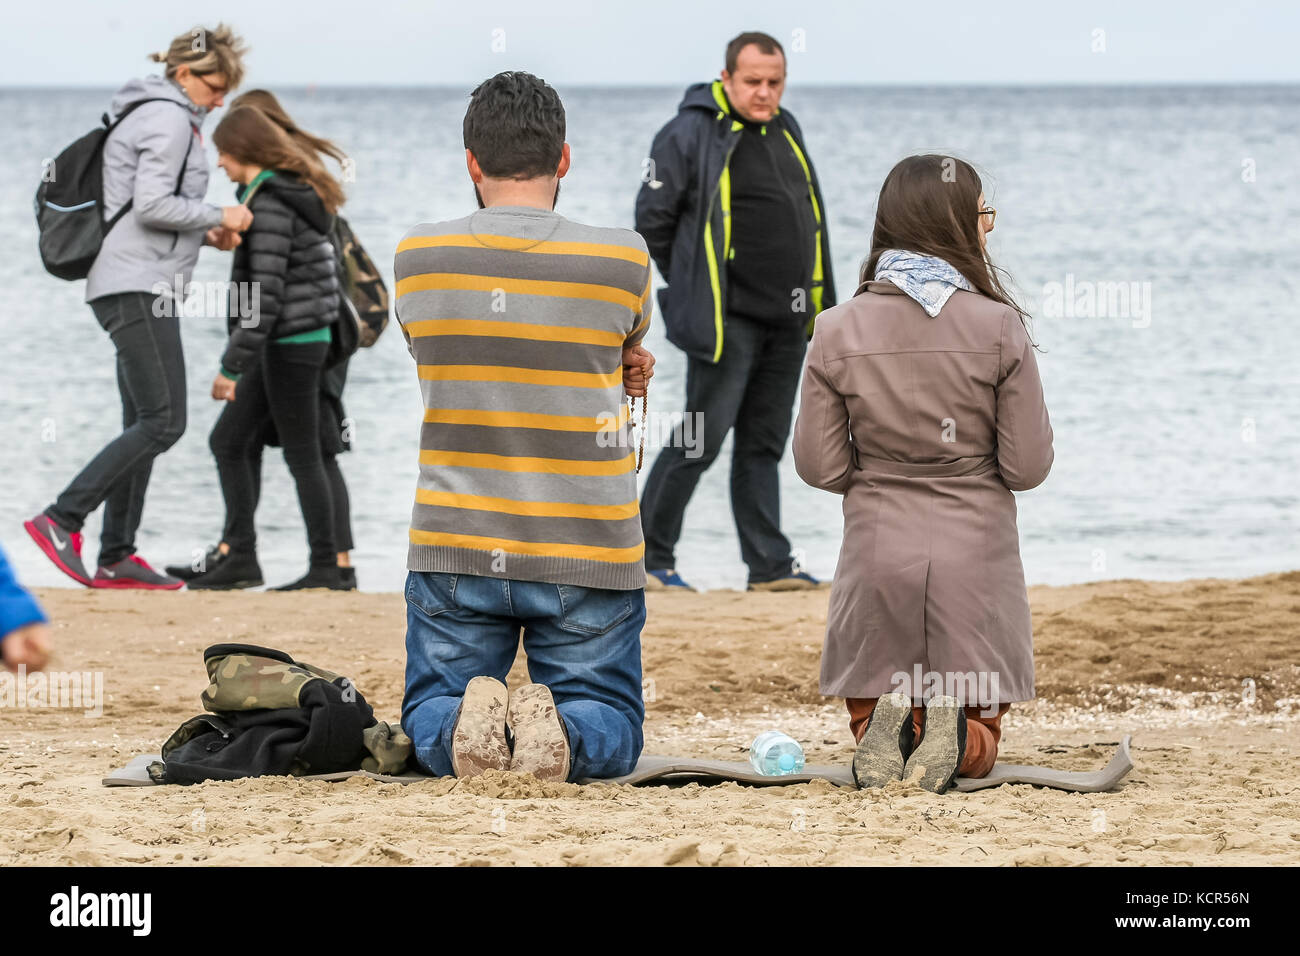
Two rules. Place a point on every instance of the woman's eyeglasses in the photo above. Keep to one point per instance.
(216, 90)
(991, 213)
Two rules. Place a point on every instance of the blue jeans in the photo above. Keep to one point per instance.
(582, 643)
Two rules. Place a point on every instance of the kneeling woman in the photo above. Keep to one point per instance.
(922, 406)
(286, 269)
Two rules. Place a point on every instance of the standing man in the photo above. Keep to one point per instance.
(732, 214)
(525, 328)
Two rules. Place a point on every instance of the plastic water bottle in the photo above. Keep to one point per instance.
(773, 753)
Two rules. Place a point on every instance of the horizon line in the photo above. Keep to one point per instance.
(587, 84)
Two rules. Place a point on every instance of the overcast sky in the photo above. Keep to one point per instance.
(653, 42)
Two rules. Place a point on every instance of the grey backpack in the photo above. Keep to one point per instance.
(70, 201)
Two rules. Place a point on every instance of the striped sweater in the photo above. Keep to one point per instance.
(517, 318)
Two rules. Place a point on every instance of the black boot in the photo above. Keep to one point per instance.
(886, 743)
(234, 571)
(318, 576)
(208, 562)
(936, 760)
(349, 578)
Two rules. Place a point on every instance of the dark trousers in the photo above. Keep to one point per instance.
(151, 381)
(751, 389)
(339, 498)
(341, 502)
(284, 385)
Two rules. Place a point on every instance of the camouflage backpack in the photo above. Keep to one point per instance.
(363, 310)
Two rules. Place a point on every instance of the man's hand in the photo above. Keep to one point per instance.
(638, 369)
(223, 389)
(222, 238)
(28, 645)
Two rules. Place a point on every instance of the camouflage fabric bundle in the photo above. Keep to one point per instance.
(269, 714)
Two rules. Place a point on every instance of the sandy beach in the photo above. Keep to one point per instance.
(1204, 674)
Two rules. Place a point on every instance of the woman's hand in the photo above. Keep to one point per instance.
(27, 646)
(236, 218)
(222, 238)
(638, 369)
(223, 389)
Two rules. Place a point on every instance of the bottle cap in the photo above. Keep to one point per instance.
(786, 762)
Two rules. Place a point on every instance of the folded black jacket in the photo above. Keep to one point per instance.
(249, 732)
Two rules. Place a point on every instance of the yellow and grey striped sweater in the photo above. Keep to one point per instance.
(517, 319)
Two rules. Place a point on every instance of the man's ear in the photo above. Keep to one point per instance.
(565, 160)
(471, 164)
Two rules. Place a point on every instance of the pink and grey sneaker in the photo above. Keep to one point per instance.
(60, 546)
(133, 571)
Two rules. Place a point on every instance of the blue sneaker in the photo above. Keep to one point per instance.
(797, 581)
(663, 579)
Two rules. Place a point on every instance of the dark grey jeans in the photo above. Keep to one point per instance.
(151, 380)
(752, 389)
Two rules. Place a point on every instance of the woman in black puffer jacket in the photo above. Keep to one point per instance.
(284, 297)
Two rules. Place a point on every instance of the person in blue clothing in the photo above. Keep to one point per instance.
(733, 215)
(24, 635)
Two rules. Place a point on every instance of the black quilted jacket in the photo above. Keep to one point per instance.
(287, 258)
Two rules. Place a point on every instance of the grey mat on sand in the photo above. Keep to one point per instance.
(678, 769)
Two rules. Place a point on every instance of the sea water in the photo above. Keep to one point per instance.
(1154, 233)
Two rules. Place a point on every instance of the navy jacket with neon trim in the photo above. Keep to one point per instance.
(681, 202)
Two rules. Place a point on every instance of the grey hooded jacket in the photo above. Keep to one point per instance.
(159, 238)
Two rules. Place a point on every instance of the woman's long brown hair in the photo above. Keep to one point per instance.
(929, 204)
(265, 101)
(250, 136)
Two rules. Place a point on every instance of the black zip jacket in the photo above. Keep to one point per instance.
(323, 733)
(683, 213)
(288, 255)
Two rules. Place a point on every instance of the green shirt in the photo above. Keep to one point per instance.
(315, 335)
(251, 188)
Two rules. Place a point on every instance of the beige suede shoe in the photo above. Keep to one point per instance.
(541, 743)
(479, 741)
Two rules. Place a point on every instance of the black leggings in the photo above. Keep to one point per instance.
(338, 496)
(342, 504)
(284, 386)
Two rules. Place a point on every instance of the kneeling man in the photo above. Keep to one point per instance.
(525, 327)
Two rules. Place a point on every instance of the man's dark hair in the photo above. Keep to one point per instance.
(764, 42)
(515, 127)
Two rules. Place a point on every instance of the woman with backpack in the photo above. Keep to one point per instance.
(287, 271)
(154, 180)
(923, 407)
(335, 430)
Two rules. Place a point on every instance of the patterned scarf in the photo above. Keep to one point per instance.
(927, 279)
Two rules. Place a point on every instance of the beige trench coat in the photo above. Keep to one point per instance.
(926, 427)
